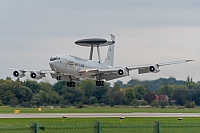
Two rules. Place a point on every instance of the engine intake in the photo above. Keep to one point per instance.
(36, 75)
(154, 69)
(18, 74)
(120, 72)
(123, 72)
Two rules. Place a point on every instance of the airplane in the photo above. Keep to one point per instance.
(70, 68)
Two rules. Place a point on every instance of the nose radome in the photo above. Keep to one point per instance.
(52, 66)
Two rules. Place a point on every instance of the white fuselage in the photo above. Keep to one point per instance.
(71, 65)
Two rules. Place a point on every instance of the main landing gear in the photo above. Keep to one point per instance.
(71, 84)
(99, 83)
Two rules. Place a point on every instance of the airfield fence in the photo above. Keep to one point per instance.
(101, 127)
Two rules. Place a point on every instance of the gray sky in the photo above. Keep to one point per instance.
(147, 31)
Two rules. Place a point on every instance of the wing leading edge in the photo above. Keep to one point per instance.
(117, 72)
(155, 67)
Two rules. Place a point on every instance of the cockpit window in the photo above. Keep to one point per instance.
(54, 58)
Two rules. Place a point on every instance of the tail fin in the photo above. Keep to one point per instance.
(110, 54)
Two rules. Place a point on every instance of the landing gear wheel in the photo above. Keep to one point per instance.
(102, 83)
(99, 83)
(58, 78)
(71, 84)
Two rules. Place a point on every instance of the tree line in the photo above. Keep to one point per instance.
(134, 93)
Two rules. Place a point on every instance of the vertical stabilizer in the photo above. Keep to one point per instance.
(110, 55)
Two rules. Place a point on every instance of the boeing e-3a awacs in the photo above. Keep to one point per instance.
(70, 68)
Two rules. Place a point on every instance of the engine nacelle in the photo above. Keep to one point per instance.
(36, 75)
(154, 68)
(123, 72)
(18, 74)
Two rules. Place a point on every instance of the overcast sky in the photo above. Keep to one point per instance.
(147, 31)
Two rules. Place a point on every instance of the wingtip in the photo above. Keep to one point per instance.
(189, 60)
(8, 68)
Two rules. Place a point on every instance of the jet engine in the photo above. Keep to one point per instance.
(36, 75)
(154, 69)
(18, 74)
(123, 71)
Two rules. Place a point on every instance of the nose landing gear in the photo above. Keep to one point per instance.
(58, 78)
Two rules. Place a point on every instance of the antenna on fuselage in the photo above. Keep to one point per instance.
(95, 42)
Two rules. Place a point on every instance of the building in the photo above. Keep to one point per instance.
(162, 98)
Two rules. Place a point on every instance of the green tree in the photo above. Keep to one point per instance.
(108, 97)
(140, 91)
(40, 98)
(129, 95)
(10, 91)
(88, 87)
(23, 94)
(196, 97)
(118, 85)
(1, 104)
(100, 92)
(45, 87)
(154, 103)
(33, 85)
(152, 85)
(6, 91)
(163, 103)
(93, 100)
(118, 97)
(165, 90)
(111, 103)
(13, 101)
(54, 98)
(59, 86)
(72, 94)
(181, 96)
(149, 97)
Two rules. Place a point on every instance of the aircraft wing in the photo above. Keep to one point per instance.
(35, 74)
(155, 67)
(116, 72)
(31, 70)
(158, 64)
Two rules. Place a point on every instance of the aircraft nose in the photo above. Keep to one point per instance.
(52, 65)
(54, 62)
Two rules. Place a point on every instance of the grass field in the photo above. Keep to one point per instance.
(100, 110)
(108, 125)
(128, 120)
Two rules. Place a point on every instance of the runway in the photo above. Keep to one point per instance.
(96, 115)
